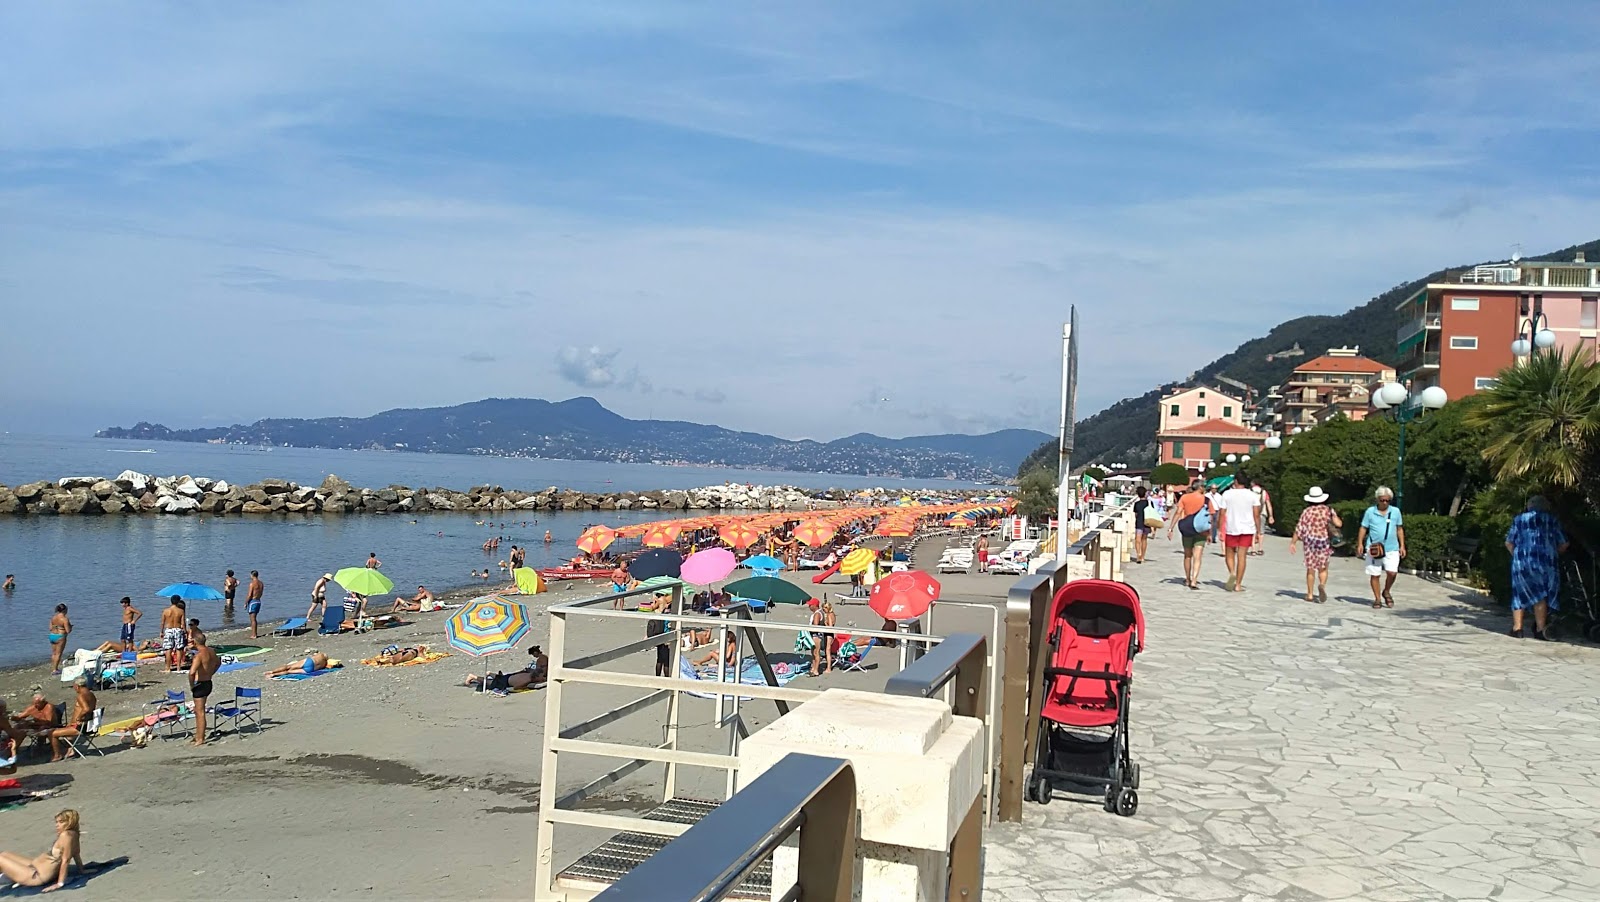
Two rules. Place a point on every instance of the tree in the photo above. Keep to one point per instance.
(1094, 473)
(1541, 418)
(1169, 474)
(1036, 494)
(1444, 459)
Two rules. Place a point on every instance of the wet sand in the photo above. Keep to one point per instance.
(376, 782)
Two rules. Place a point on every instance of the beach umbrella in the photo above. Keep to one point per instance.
(364, 581)
(896, 528)
(814, 532)
(903, 596)
(529, 582)
(660, 583)
(487, 625)
(763, 562)
(191, 592)
(738, 535)
(660, 535)
(596, 539)
(857, 561)
(660, 562)
(770, 589)
(706, 567)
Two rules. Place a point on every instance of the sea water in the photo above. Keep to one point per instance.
(89, 563)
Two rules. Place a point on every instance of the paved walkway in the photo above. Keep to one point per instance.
(1296, 751)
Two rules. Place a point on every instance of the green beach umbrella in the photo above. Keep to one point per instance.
(364, 581)
(528, 580)
(769, 589)
(660, 583)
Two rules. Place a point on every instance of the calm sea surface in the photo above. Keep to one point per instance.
(91, 562)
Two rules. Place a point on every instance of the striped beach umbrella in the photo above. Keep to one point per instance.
(857, 561)
(660, 535)
(596, 539)
(738, 535)
(487, 625)
(814, 532)
(896, 528)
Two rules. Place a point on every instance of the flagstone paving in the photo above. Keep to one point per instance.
(1296, 751)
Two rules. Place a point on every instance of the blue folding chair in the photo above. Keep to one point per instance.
(174, 703)
(123, 674)
(246, 708)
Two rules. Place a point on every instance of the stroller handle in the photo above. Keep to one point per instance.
(1106, 675)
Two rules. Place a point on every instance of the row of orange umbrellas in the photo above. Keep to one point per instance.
(742, 530)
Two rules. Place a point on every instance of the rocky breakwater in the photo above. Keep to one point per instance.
(138, 493)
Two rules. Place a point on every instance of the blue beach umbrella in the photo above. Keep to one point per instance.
(191, 592)
(763, 562)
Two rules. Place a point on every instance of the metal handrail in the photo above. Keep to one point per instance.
(808, 793)
(961, 657)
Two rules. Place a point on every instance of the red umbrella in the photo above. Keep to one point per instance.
(897, 528)
(904, 596)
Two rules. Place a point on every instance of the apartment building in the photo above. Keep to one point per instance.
(1202, 424)
(1458, 331)
(1338, 382)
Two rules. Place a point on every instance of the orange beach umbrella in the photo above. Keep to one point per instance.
(814, 532)
(660, 535)
(738, 535)
(596, 539)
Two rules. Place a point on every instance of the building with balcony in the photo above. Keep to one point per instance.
(1457, 332)
(1188, 406)
(1338, 382)
(1211, 440)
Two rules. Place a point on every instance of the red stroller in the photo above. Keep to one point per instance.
(1096, 627)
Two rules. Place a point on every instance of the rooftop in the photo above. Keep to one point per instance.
(1215, 427)
(1341, 363)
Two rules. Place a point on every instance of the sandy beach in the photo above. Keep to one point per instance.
(374, 782)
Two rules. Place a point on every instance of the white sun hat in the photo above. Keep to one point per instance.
(1316, 495)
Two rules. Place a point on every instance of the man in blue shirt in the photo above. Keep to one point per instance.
(1381, 526)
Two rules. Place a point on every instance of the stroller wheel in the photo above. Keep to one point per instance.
(1593, 632)
(1133, 776)
(1127, 802)
(1042, 790)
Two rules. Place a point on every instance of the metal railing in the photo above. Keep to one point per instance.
(1097, 554)
(812, 795)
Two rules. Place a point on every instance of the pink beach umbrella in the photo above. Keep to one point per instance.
(706, 567)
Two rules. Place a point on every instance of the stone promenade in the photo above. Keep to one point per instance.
(1296, 751)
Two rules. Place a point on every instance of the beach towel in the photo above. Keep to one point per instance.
(428, 658)
(241, 651)
(75, 878)
(239, 665)
(749, 675)
(298, 675)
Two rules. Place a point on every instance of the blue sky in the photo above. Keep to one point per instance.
(805, 219)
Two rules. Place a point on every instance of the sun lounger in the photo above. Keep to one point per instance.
(292, 626)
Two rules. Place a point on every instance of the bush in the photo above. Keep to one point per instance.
(1350, 515)
(1169, 474)
(1428, 541)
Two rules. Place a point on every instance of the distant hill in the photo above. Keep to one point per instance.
(1126, 430)
(583, 429)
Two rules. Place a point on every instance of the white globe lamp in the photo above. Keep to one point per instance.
(1521, 347)
(1245, 459)
(1231, 458)
(1393, 394)
(1544, 339)
(1434, 397)
(1377, 400)
(1274, 442)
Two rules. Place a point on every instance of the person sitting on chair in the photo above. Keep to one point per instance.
(313, 662)
(730, 653)
(82, 713)
(39, 715)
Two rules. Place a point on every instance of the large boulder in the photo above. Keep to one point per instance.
(333, 485)
(212, 503)
(189, 488)
(278, 502)
(75, 502)
(388, 496)
(132, 481)
(9, 503)
(112, 506)
(178, 504)
(44, 507)
(77, 482)
(30, 491)
(303, 494)
(257, 495)
(530, 503)
(300, 507)
(675, 500)
(440, 502)
(275, 486)
(235, 493)
(104, 488)
(204, 482)
(255, 507)
(334, 505)
(221, 487)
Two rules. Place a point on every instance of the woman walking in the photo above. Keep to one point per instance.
(1314, 532)
(1536, 542)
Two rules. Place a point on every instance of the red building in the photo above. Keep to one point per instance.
(1458, 332)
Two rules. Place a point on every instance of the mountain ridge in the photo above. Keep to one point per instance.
(582, 428)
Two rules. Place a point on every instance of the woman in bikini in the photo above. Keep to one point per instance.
(394, 654)
(52, 865)
(60, 628)
(313, 662)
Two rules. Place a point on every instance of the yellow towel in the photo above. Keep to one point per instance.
(428, 658)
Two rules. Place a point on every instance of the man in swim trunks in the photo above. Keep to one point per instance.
(130, 621)
(319, 598)
(230, 585)
(311, 663)
(82, 711)
(174, 638)
(252, 601)
(423, 600)
(10, 584)
(201, 671)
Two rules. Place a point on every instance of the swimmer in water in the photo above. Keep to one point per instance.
(548, 538)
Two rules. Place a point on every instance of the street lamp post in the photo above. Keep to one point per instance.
(1533, 328)
(1398, 397)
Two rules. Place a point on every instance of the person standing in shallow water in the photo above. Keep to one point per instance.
(1536, 542)
(60, 629)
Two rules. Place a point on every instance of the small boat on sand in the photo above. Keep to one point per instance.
(571, 572)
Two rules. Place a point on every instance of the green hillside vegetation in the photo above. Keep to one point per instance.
(1126, 430)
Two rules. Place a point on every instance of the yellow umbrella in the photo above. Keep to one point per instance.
(857, 561)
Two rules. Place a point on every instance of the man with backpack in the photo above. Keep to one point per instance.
(1193, 515)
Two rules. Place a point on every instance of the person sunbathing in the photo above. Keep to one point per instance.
(50, 866)
(730, 654)
(535, 674)
(394, 654)
(423, 600)
(313, 662)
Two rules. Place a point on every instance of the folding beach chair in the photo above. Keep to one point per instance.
(85, 740)
(858, 660)
(124, 674)
(291, 626)
(333, 617)
(169, 710)
(246, 708)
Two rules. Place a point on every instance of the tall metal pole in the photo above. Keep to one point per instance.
(1069, 388)
(1400, 465)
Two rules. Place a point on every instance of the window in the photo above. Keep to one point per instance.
(1587, 317)
(1483, 382)
(1202, 394)
(1216, 450)
(1227, 412)
(1463, 303)
(1172, 410)
(1200, 411)
(1177, 449)
(1463, 342)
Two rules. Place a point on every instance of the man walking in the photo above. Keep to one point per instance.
(252, 601)
(1194, 538)
(1382, 541)
(1239, 511)
(130, 622)
(319, 598)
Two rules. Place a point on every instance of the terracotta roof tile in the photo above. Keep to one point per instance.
(1327, 364)
(1216, 427)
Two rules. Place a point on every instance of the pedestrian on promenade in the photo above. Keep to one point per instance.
(1382, 541)
(1141, 529)
(252, 601)
(1264, 518)
(1184, 511)
(1214, 497)
(1314, 532)
(60, 629)
(1536, 542)
(1240, 511)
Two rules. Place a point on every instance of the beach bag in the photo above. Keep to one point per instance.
(1196, 523)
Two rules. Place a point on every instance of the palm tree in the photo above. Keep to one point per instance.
(1540, 419)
